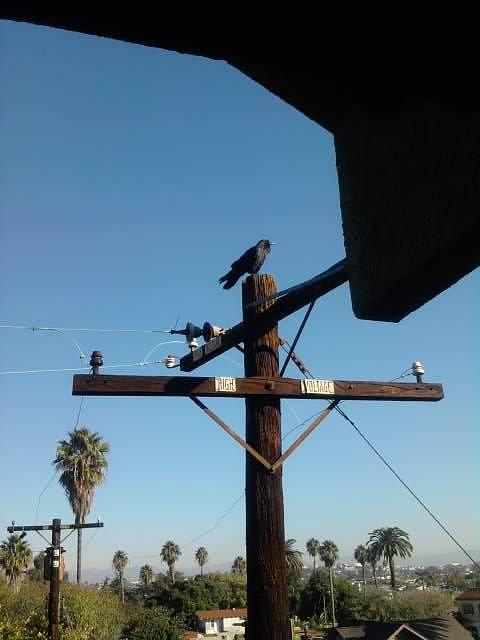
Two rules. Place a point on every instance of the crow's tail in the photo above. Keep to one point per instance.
(229, 279)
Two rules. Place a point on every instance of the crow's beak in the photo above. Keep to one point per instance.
(273, 243)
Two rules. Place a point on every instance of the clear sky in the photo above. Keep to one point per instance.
(130, 179)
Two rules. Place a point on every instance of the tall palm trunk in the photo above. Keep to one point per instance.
(314, 565)
(79, 551)
(201, 570)
(122, 587)
(392, 572)
(364, 583)
(171, 570)
(334, 622)
(374, 570)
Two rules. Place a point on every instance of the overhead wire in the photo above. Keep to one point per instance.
(107, 366)
(41, 494)
(91, 537)
(202, 535)
(56, 470)
(290, 352)
(79, 411)
(400, 479)
(74, 330)
(217, 523)
(387, 464)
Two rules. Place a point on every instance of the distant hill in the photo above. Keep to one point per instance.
(93, 575)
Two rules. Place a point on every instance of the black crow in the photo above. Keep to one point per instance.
(250, 262)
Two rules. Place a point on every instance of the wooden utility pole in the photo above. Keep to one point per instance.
(54, 595)
(262, 387)
(267, 596)
(54, 567)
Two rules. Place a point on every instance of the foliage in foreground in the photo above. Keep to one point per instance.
(87, 613)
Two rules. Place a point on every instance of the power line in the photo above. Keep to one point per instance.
(202, 535)
(41, 494)
(79, 411)
(74, 330)
(420, 502)
(389, 466)
(222, 517)
(301, 424)
(56, 470)
(91, 538)
(108, 366)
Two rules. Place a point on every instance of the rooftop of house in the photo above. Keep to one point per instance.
(445, 628)
(471, 594)
(211, 614)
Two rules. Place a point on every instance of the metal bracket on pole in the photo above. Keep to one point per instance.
(278, 463)
(232, 433)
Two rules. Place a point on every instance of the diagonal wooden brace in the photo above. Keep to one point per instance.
(304, 435)
(232, 433)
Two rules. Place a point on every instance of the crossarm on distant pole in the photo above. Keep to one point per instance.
(48, 527)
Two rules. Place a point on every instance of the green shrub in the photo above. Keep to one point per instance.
(91, 614)
(86, 613)
(155, 623)
(409, 605)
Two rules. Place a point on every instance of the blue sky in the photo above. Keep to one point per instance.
(130, 179)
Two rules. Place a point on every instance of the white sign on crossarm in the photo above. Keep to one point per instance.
(226, 384)
(324, 387)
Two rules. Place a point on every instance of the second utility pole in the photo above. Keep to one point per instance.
(54, 595)
(267, 597)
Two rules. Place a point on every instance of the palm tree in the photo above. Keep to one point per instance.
(293, 557)
(313, 547)
(36, 572)
(361, 556)
(329, 554)
(15, 557)
(146, 575)
(391, 542)
(170, 553)
(81, 460)
(373, 557)
(239, 566)
(201, 556)
(119, 562)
